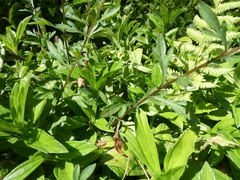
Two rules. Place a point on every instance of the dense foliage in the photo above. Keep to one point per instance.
(117, 89)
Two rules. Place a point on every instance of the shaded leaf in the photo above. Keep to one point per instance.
(76, 149)
(87, 172)
(110, 110)
(25, 168)
(76, 172)
(42, 141)
(209, 16)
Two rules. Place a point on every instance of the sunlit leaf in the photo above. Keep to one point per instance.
(143, 144)
(102, 124)
(109, 12)
(18, 100)
(178, 154)
(206, 173)
(156, 75)
(64, 170)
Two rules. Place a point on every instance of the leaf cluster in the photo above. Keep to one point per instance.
(167, 77)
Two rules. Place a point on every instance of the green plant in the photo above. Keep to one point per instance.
(82, 67)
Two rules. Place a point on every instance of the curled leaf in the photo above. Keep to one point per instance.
(118, 144)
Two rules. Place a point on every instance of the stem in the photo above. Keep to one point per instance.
(174, 80)
(84, 43)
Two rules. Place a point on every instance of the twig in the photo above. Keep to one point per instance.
(174, 80)
(84, 43)
(126, 169)
(117, 147)
(143, 170)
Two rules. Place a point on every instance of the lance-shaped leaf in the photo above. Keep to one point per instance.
(76, 149)
(160, 53)
(18, 100)
(178, 154)
(26, 168)
(42, 141)
(143, 144)
(179, 107)
(211, 18)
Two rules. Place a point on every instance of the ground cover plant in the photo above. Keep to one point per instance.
(120, 89)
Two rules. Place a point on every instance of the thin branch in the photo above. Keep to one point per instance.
(145, 172)
(118, 141)
(84, 43)
(126, 169)
(174, 80)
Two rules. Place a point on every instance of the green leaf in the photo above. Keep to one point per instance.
(10, 40)
(76, 149)
(175, 14)
(22, 27)
(76, 172)
(172, 174)
(143, 145)
(206, 173)
(110, 12)
(55, 52)
(209, 16)
(236, 114)
(156, 75)
(75, 2)
(110, 110)
(216, 156)
(183, 81)
(6, 126)
(11, 13)
(64, 170)
(70, 27)
(103, 125)
(42, 22)
(87, 172)
(137, 55)
(119, 163)
(234, 156)
(210, 33)
(226, 124)
(116, 66)
(146, 141)
(25, 168)
(184, 111)
(42, 141)
(205, 108)
(18, 100)
(178, 154)
(37, 110)
(220, 175)
(174, 118)
(160, 52)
